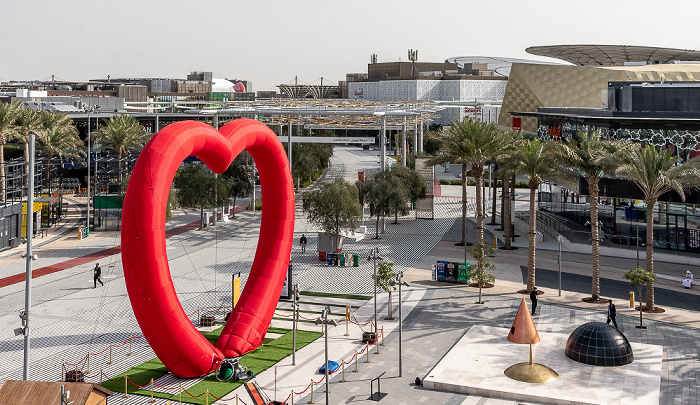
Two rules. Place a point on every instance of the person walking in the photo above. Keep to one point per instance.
(302, 242)
(97, 274)
(612, 314)
(533, 298)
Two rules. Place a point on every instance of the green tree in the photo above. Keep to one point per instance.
(8, 115)
(59, 138)
(656, 171)
(386, 277)
(536, 160)
(432, 142)
(638, 277)
(374, 194)
(589, 155)
(403, 186)
(197, 187)
(121, 133)
(478, 273)
(334, 208)
(239, 179)
(27, 122)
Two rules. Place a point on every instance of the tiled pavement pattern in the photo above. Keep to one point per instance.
(70, 318)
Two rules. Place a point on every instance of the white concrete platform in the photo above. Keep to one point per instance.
(476, 364)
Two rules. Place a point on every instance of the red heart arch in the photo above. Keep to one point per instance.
(166, 327)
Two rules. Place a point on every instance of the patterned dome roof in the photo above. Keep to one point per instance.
(599, 344)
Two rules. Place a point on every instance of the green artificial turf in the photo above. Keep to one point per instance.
(262, 358)
(334, 295)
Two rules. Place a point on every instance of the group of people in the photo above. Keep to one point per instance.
(612, 311)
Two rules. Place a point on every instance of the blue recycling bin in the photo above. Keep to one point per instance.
(329, 258)
(440, 270)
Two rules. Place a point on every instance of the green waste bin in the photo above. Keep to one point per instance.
(355, 260)
(463, 273)
(342, 259)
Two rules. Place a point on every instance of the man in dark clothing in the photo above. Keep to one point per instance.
(612, 313)
(97, 273)
(533, 298)
(302, 242)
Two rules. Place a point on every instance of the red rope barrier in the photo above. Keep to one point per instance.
(306, 389)
(75, 364)
(136, 385)
(95, 354)
(165, 388)
(193, 396)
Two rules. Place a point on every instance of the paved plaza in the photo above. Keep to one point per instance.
(71, 318)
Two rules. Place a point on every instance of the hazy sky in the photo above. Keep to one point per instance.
(271, 41)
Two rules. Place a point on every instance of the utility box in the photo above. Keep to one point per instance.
(451, 272)
(463, 273)
(440, 270)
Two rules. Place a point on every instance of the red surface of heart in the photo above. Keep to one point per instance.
(176, 342)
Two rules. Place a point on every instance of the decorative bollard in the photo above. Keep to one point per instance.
(206, 397)
(355, 370)
(367, 351)
(291, 397)
(236, 399)
(152, 400)
(343, 372)
(376, 344)
(311, 401)
(126, 387)
(382, 344)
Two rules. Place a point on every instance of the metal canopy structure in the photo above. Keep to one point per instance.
(613, 55)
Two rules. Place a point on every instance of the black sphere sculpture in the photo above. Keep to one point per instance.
(599, 344)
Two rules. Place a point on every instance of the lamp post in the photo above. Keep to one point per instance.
(560, 240)
(323, 320)
(374, 256)
(400, 282)
(88, 110)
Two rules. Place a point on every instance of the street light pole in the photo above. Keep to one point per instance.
(399, 281)
(29, 256)
(374, 256)
(323, 320)
(560, 240)
(295, 316)
(89, 110)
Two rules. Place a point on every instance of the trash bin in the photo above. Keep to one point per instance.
(451, 272)
(342, 259)
(329, 258)
(206, 320)
(335, 258)
(322, 256)
(440, 270)
(355, 260)
(463, 273)
(75, 376)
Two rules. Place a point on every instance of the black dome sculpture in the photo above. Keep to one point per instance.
(599, 344)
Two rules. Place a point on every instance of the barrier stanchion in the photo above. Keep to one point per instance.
(100, 376)
(355, 370)
(180, 397)
(206, 397)
(152, 400)
(311, 401)
(199, 318)
(292, 397)
(88, 363)
(382, 344)
(347, 320)
(126, 387)
(129, 347)
(63, 368)
(376, 344)
(236, 399)
(367, 351)
(110, 354)
(76, 376)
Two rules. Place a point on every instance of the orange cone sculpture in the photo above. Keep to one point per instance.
(523, 331)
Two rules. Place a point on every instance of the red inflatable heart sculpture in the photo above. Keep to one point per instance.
(181, 348)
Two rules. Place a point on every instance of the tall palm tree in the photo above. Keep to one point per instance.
(59, 138)
(473, 144)
(122, 132)
(27, 122)
(656, 171)
(8, 114)
(537, 160)
(588, 155)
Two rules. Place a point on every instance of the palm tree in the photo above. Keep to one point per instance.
(27, 122)
(59, 138)
(656, 171)
(507, 166)
(122, 132)
(8, 114)
(473, 144)
(588, 154)
(537, 160)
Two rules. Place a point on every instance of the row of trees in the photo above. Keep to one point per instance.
(337, 206)
(654, 170)
(57, 135)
